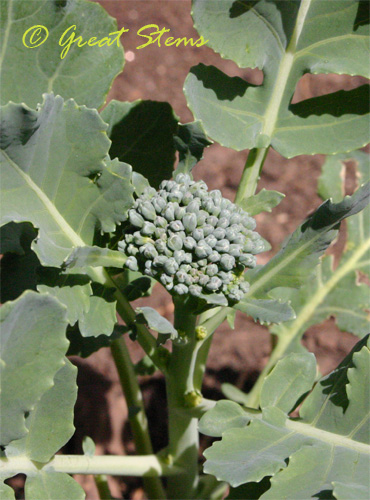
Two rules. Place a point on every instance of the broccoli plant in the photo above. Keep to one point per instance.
(90, 224)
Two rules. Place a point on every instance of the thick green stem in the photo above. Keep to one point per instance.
(251, 174)
(137, 417)
(148, 465)
(102, 486)
(183, 427)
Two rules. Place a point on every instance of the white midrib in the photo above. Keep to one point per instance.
(75, 239)
(272, 110)
(327, 437)
(324, 290)
(7, 32)
(96, 273)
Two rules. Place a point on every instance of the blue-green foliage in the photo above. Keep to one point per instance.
(191, 240)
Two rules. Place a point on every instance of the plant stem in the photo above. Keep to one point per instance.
(147, 465)
(102, 486)
(294, 329)
(136, 411)
(183, 427)
(144, 337)
(251, 174)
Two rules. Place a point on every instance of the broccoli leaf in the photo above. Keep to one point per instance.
(326, 448)
(48, 157)
(29, 371)
(286, 40)
(85, 73)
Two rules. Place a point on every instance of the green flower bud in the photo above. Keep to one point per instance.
(211, 240)
(170, 266)
(181, 275)
(148, 229)
(239, 240)
(189, 243)
(132, 249)
(175, 195)
(190, 222)
(207, 229)
(180, 289)
(235, 250)
(230, 234)
(176, 226)
(159, 204)
(141, 240)
(198, 234)
(201, 332)
(193, 206)
(160, 246)
(192, 399)
(180, 256)
(187, 198)
(195, 290)
(214, 256)
(222, 245)
(247, 260)
(212, 220)
(180, 212)
(135, 218)
(214, 284)
(122, 246)
(248, 222)
(160, 222)
(147, 210)
(248, 246)
(159, 260)
(131, 263)
(149, 251)
(201, 218)
(169, 213)
(219, 233)
(227, 262)
(204, 279)
(211, 270)
(165, 279)
(175, 242)
(202, 250)
(223, 222)
(235, 218)
(225, 213)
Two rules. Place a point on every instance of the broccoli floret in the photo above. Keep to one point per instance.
(191, 240)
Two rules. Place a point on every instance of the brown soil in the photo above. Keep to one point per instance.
(236, 356)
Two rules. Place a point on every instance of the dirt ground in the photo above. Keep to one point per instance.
(236, 356)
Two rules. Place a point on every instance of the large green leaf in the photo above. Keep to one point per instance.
(264, 201)
(296, 261)
(286, 39)
(334, 290)
(53, 486)
(85, 73)
(50, 423)
(55, 174)
(190, 142)
(146, 134)
(20, 264)
(142, 134)
(30, 357)
(156, 322)
(292, 376)
(266, 311)
(6, 492)
(307, 457)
